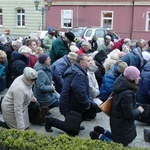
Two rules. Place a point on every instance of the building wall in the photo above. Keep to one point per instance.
(129, 15)
(85, 13)
(91, 16)
(32, 17)
(139, 22)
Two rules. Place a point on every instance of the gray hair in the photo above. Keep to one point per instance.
(81, 57)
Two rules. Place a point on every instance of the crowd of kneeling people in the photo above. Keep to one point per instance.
(77, 77)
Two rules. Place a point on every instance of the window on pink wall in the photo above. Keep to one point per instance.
(66, 19)
(148, 21)
(107, 19)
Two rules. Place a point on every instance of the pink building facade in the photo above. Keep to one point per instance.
(129, 19)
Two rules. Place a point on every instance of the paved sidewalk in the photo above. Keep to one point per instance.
(101, 120)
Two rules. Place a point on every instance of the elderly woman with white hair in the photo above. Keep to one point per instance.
(16, 44)
(18, 97)
(126, 47)
(20, 60)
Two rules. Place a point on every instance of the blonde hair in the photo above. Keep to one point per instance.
(39, 50)
(3, 54)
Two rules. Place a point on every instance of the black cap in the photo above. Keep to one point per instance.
(70, 36)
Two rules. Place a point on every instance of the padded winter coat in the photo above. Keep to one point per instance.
(58, 68)
(43, 89)
(123, 112)
(75, 91)
(143, 93)
(107, 83)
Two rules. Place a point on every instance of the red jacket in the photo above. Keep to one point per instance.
(33, 60)
(81, 51)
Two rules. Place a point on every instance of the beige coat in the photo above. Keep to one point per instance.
(15, 103)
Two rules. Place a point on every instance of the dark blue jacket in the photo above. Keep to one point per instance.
(75, 90)
(143, 93)
(134, 58)
(107, 83)
(58, 68)
(1, 46)
(19, 62)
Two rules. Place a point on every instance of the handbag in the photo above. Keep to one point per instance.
(39, 117)
(106, 106)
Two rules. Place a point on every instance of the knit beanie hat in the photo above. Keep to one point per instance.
(114, 56)
(121, 66)
(146, 55)
(29, 73)
(42, 58)
(74, 48)
(131, 73)
(69, 35)
(100, 56)
(50, 29)
(85, 43)
(72, 55)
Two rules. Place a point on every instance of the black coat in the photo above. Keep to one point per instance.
(99, 74)
(123, 112)
(8, 49)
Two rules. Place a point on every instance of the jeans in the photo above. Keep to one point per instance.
(106, 136)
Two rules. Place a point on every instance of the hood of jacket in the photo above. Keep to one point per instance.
(146, 66)
(137, 51)
(100, 56)
(122, 84)
(16, 55)
(114, 56)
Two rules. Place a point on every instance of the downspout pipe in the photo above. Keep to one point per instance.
(131, 33)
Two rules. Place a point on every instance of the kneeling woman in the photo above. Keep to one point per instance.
(44, 90)
(124, 110)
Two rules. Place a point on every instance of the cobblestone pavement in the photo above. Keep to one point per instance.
(101, 119)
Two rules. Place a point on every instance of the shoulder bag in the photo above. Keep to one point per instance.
(106, 106)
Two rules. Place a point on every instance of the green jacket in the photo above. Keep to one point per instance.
(47, 42)
(59, 49)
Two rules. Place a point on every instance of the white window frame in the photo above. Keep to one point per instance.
(107, 18)
(21, 15)
(147, 28)
(66, 15)
(1, 16)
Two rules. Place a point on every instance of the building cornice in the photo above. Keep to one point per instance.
(101, 3)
